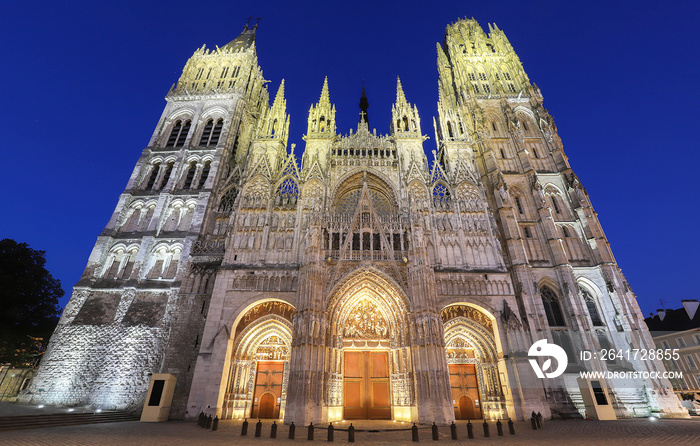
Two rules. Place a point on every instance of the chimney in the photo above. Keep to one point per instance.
(662, 313)
(691, 307)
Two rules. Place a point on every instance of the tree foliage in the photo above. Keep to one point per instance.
(29, 302)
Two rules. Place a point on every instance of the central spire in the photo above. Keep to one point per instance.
(364, 105)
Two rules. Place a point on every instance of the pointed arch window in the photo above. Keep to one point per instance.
(519, 205)
(178, 134)
(211, 133)
(449, 129)
(591, 306)
(205, 174)
(190, 175)
(552, 309)
(152, 177)
(555, 204)
(166, 176)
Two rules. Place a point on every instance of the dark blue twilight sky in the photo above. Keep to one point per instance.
(83, 86)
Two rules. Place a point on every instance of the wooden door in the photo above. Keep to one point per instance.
(267, 406)
(268, 389)
(366, 386)
(465, 391)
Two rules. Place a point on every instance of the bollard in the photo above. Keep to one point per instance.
(486, 429)
(414, 432)
(470, 429)
(540, 421)
(499, 428)
(330, 431)
(215, 423)
(273, 430)
(436, 437)
(453, 430)
(351, 434)
(244, 428)
(511, 427)
(534, 423)
(258, 428)
(208, 426)
(310, 435)
(292, 428)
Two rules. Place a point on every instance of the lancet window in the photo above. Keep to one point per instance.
(552, 308)
(591, 306)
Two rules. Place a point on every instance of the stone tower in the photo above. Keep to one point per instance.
(365, 282)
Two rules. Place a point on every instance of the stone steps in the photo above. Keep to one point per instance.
(62, 419)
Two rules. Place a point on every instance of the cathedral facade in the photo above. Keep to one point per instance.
(361, 281)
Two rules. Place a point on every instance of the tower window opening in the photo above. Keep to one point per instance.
(174, 133)
(449, 129)
(179, 134)
(216, 132)
(487, 88)
(503, 155)
(493, 126)
(205, 174)
(356, 242)
(519, 205)
(525, 126)
(405, 123)
(206, 133)
(591, 306)
(190, 175)
(397, 242)
(534, 152)
(335, 241)
(209, 73)
(472, 76)
(482, 76)
(200, 72)
(166, 177)
(527, 232)
(565, 230)
(476, 87)
(556, 206)
(511, 87)
(224, 72)
(376, 241)
(152, 178)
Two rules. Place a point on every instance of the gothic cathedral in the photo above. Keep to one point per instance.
(362, 281)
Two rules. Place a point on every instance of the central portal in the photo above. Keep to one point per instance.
(366, 385)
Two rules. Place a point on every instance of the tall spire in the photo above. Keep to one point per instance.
(280, 101)
(400, 96)
(325, 96)
(364, 105)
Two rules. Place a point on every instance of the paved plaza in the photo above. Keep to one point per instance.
(621, 432)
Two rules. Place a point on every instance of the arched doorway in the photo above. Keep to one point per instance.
(268, 408)
(257, 384)
(370, 363)
(472, 360)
